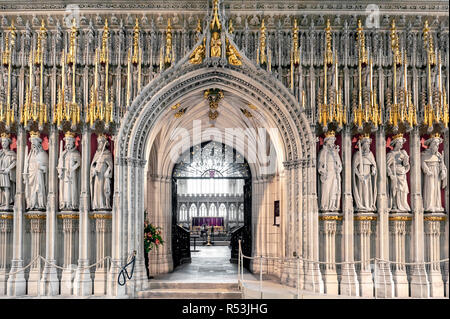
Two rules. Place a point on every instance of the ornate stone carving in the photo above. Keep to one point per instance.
(7, 173)
(35, 174)
(329, 168)
(101, 175)
(434, 175)
(68, 173)
(364, 176)
(397, 165)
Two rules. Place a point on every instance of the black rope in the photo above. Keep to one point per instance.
(124, 273)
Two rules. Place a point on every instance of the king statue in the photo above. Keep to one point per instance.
(397, 166)
(329, 168)
(364, 176)
(36, 174)
(434, 175)
(101, 175)
(68, 173)
(7, 172)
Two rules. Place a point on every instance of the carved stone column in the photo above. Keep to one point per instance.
(398, 244)
(349, 280)
(5, 250)
(419, 280)
(101, 231)
(433, 237)
(36, 230)
(16, 283)
(83, 282)
(313, 277)
(329, 225)
(70, 225)
(50, 282)
(365, 274)
(384, 284)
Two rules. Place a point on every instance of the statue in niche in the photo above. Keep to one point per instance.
(7, 172)
(329, 168)
(434, 175)
(364, 176)
(198, 54)
(101, 175)
(68, 173)
(36, 174)
(397, 165)
(216, 45)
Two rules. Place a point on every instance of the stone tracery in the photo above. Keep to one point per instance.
(277, 93)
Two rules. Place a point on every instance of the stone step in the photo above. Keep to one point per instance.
(192, 285)
(189, 294)
(191, 290)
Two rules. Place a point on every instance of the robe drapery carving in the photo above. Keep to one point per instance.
(101, 175)
(69, 174)
(434, 175)
(329, 168)
(7, 173)
(397, 166)
(364, 176)
(35, 174)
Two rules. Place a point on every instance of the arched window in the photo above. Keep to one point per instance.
(241, 212)
(212, 210)
(232, 212)
(193, 211)
(203, 210)
(182, 216)
(222, 210)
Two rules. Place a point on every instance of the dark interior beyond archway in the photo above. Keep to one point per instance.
(211, 201)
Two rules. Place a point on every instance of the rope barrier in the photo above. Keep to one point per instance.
(124, 271)
(298, 259)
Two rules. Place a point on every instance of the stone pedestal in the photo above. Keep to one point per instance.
(433, 232)
(36, 230)
(329, 274)
(398, 253)
(365, 273)
(349, 281)
(5, 249)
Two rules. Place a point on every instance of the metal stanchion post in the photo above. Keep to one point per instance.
(260, 276)
(298, 277)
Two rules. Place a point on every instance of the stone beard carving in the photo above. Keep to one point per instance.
(36, 174)
(7, 173)
(68, 173)
(330, 167)
(101, 174)
(364, 176)
(434, 175)
(397, 165)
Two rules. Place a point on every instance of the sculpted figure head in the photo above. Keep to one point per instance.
(329, 139)
(6, 141)
(365, 141)
(433, 143)
(102, 142)
(36, 141)
(398, 141)
(70, 141)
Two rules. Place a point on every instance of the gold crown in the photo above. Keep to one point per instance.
(397, 136)
(5, 135)
(329, 134)
(363, 136)
(35, 134)
(70, 134)
(435, 135)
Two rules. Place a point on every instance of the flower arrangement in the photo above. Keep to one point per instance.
(152, 237)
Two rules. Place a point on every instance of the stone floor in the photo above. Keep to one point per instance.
(209, 264)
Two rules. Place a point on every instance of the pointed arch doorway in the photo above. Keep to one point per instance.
(214, 181)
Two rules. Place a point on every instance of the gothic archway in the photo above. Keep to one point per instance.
(139, 138)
